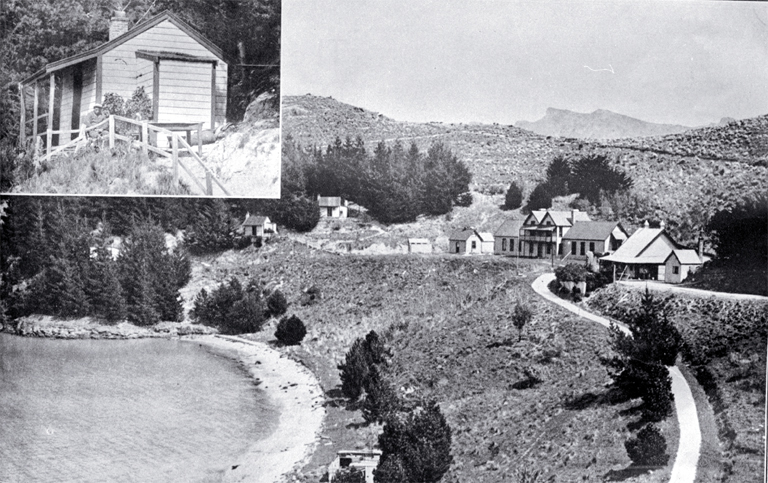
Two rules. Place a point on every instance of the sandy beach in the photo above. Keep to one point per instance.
(297, 394)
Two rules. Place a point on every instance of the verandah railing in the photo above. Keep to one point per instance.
(148, 131)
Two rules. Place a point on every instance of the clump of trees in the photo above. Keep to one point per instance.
(394, 184)
(366, 356)
(290, 330)
(591, 176)
(66, 268)
(649, 448)
(232, 308)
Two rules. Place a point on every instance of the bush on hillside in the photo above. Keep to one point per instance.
(290, 330)
(464, 199)
(277, 304)
(649, 448)
(365, 356)
(381, 398)
(520, 317)
(415, 446)
(514, 197)
(349, 475)
(571, 272)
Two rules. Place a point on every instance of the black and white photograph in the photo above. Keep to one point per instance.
(333, 241)
(141, 97)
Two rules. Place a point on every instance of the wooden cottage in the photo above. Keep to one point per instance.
(258, 226)
(651, 254)
(468, 241)
(182, 72)
(507, 238)
(596, 237)
(332, 206)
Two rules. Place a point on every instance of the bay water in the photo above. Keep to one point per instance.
(144, 410)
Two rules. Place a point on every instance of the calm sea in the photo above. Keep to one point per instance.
(133, 410)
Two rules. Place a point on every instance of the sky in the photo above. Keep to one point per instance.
(665, 61)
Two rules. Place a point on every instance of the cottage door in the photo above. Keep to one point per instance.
(77, 96)
(540, 250)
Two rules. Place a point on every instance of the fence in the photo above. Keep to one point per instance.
(147, 132)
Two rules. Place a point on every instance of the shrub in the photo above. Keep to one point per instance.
(464, 199)
(648, 448)
(366, 355)
(349, 475)
(381, 398)
(230, 308)
(415, 447)
(520, 317)
(290, 330)
(657, 394)
(571, 272)
(277, 304)
(514, 197)
(311, 296)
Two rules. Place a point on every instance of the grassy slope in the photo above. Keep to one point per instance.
(440, 314)
(736, 333)
(103, 173)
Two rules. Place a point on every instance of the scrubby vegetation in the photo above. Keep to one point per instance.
(649, 448)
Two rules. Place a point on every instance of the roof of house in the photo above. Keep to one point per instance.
(686, 257)
(561, 218)
(254, 220)
(131, 33)
(462, 235)
(509, 228)
(329, 201)
(591, 230)
(485, 236)
(538, 215)
(631, 251)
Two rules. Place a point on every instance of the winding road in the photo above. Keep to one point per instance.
(684, 468)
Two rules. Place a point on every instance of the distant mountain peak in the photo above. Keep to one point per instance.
(599, 124)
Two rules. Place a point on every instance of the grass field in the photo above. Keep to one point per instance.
(446, 319)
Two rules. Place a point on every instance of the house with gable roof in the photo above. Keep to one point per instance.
(595, 237)
(258, 226)
(651, 254)
(332, 206)
(182, 72)
(468, 241)
(507, 238)
(542, 232)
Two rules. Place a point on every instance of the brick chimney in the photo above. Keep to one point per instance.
(118, 24)
(573, 215)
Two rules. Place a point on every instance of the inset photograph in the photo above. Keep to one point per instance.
(141, 98)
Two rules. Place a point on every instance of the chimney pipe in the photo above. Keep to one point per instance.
(701, 247)
(662, 225)
(118, 24)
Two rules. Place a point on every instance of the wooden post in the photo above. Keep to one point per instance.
(111, 131)
(200, 138)
(175, 145)
(35, 113)
(145, 137)
(208, 184)
(49, 127)
(23, 120)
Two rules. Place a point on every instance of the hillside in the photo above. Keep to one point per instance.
(600, 124)
(693, 172)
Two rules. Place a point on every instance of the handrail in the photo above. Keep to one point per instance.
(200, 161)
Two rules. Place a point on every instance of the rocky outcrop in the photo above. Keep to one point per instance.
(44, 326)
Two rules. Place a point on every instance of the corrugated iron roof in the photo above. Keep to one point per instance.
(591, 230)
(631, 250)
(686, 257)
(329, 201)
(254, 220)
(462, 235)
(485, 236)
(509, 228)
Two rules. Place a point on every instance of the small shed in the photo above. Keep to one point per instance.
(258, 226)
(679, 264)
(332, 206)
(365, 460)
(182, 72)
(465, 241)
(419, 245)
(486, 241)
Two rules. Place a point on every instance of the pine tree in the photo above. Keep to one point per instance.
(514, 197)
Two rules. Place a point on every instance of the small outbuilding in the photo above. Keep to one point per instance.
(419, 245)
(365, 460)
(468, 241)
(679, 264)
(258, 226)
(333, 206)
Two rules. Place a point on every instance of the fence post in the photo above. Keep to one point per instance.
(145, 137)
(175, 145)
(200, 139)
(208, 184)
(49, 127)
(111, 131)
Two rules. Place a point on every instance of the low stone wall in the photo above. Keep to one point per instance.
(45, 326)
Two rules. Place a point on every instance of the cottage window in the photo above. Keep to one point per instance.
(583, 248)
(457, 247)
(573, 248)
(503, 244)
(676, 270)
(560, 249)
(474, 244)
(592, 247)
(330, 211)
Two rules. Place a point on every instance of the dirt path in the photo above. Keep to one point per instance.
(665, 287)
(684, 468)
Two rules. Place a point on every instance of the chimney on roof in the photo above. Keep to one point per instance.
(701, 246)
(662, 225)
(646, 225)
(573, 215)
(118, 24)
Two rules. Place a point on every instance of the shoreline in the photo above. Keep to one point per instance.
(298, 397)
(293, 389)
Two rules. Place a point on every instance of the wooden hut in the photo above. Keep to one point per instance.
(182, 72)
